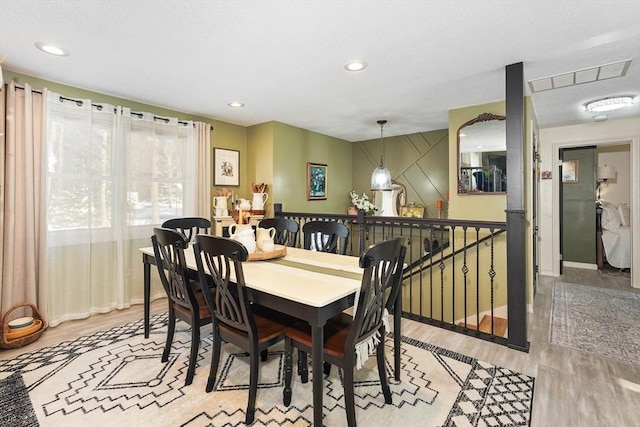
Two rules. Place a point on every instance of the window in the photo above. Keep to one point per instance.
(109, 168)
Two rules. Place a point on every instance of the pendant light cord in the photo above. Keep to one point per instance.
(381, 123)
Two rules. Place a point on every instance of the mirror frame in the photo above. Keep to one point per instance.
(484, 117)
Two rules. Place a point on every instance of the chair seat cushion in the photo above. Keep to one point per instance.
(336, 331)
(204, 312)
(269, 324)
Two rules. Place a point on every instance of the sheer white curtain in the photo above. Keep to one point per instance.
(203, 131)
(112, 175)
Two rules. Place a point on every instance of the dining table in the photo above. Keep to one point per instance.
(309, 285)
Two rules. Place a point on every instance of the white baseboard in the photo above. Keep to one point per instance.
(583, 265)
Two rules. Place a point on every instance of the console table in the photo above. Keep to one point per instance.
(221, 224)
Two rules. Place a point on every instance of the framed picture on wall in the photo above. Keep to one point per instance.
(570, 171)
(316, 181)
(226, 167)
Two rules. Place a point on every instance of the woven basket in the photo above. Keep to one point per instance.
(22, 341)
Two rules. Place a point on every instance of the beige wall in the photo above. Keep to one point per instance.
(618, 189)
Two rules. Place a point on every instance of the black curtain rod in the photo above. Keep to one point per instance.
(79, 103)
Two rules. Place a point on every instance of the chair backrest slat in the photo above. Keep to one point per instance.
(189, 226)
(286, 230)
(222, 258)
(382, 276)
(326, 236)
(168, 247)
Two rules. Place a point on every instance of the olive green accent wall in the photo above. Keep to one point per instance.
(74, 92)
(418, 160)
(292, 148)
(260, 161)
(231, 137)
(578, 208)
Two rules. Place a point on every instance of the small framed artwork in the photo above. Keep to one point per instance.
(570, 171)
(316, 181)
(412, 211)
(226, 164)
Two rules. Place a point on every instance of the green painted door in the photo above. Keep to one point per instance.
(578, 205)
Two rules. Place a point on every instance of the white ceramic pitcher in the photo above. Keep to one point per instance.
(221, 202)
(263, 234)
(243, 233)
(259, 199)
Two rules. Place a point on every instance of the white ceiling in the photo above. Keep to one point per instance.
(284, 59)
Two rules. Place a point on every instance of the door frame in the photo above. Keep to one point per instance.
(634, 142)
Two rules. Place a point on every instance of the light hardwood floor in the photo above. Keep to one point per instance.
(572, 388)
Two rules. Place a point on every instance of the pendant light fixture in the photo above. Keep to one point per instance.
(381, 178)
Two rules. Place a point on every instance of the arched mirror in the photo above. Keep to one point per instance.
(482, 155)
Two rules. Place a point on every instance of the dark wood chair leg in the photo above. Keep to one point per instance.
(215, 360)
(171, 328)
(382, 372)
(327, 368)
(288, 373)
(304, 367)
(253, 388)
(349, 399)
(193, 357)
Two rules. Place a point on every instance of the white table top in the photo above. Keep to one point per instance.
(297, 284)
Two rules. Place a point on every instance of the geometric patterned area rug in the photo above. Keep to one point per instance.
(596, 320)
(116, 378)
(16, 409)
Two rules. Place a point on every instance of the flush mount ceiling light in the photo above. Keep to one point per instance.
(235, 104)
(52, 49)
(608, 104)
(355, 65)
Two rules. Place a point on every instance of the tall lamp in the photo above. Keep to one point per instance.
(603, 174)
(381, 178)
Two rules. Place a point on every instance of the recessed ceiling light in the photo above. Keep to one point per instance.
(608, 104)
(601, 118)
(52, 49)
(355, 65)
(235, 104)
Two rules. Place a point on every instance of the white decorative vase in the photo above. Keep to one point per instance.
(259, 199)
(389, 203)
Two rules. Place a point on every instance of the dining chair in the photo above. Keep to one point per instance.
(189, 226)
(286, 230)
(186, 301)
(348, 340)
(249, 326)
(326, 236)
